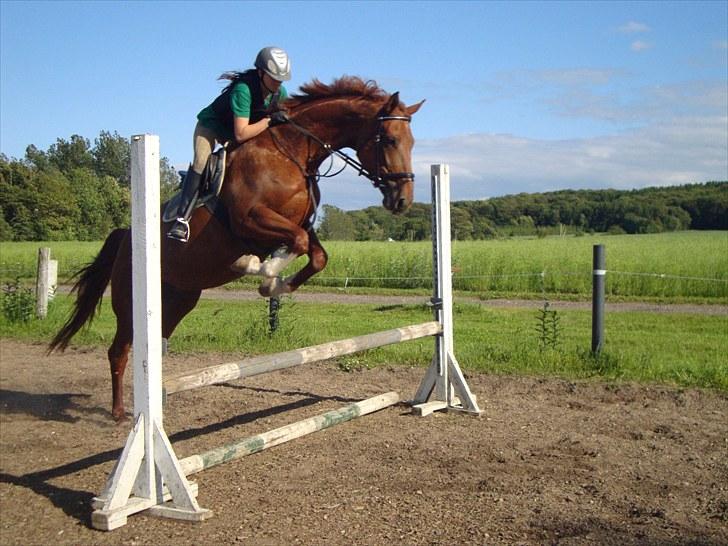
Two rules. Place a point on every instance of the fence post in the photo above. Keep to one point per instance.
(41, 283)
(274, 305)
(599, 273)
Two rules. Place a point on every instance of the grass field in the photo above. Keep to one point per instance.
(681, 266)
(680, 349)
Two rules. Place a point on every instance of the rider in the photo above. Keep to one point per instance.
(238, 114)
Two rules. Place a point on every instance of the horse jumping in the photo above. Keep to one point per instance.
(270, 193)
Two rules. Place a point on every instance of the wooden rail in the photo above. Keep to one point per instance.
(278, 361)
(254, 444)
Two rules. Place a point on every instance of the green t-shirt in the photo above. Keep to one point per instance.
(240, 102)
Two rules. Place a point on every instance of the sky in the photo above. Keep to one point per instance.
(520, 96)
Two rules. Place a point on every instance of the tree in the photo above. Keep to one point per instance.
(336, 225)
(112, 157)
(55, 216)
(72, 154)
(169, 180)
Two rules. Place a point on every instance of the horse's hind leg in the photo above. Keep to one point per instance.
(118, 357)
(176, 304)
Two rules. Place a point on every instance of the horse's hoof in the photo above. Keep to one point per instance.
(119, 416)
(247, 264)
(273, 287)
(271, 267)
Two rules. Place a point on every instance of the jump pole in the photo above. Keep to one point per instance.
(250, 367)
(444, 386)
(254, 444)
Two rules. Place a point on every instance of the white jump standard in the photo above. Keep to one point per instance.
(148, 462)
(148, 475)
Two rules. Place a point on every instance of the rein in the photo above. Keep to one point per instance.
(377, 178)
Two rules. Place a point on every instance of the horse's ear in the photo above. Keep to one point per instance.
(412, 109)
(392, 102)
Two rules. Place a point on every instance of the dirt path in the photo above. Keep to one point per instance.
(549, 462)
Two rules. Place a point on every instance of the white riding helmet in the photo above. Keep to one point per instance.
(274, 61)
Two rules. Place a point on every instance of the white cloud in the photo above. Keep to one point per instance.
(633, 27)
(575, 76)
(652, 104)
(639, 45)
(679, 151)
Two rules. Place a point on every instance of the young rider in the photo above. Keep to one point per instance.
(238, 114)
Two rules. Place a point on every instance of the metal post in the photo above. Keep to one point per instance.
(274, 304)
(598, 277)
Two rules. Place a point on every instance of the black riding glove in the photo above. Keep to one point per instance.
(278, 118)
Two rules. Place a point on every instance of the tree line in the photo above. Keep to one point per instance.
(76, 190)
(72, 191)
(649, 210)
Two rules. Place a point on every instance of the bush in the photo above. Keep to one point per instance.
(18, 302)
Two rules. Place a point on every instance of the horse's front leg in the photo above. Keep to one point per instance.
(317, 260)
(264, 224)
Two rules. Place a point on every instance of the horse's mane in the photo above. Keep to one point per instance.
(346, 86)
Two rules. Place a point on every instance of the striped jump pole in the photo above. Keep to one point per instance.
(259, 442)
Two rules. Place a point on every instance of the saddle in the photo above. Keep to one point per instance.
(210, 186)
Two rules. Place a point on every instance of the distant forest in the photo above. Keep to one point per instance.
(77, 190)
(649, 210)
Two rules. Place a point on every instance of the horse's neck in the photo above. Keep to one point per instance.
(339, 122)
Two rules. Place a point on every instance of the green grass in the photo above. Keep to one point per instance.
(678, 349)
(694, 265)
(20, 259)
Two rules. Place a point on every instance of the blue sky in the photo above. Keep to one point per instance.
(521, 96)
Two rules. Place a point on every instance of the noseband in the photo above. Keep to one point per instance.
(381, 140)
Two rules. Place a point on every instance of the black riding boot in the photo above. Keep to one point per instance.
(181, 228)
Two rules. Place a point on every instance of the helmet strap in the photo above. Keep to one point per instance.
(262, 83)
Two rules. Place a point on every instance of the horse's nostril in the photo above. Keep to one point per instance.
(401, 204)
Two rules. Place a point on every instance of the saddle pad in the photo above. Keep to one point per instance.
(210, 186)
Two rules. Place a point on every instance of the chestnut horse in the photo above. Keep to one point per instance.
(270, 194)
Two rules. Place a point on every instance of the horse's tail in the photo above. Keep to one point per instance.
(92, 282)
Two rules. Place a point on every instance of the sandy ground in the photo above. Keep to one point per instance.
(549, 461)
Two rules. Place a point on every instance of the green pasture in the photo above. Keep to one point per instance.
(678, 266)
(678, 349)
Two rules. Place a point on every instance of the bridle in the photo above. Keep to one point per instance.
(378, 178)
(380, 141)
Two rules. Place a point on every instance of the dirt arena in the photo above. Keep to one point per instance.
(549, 462)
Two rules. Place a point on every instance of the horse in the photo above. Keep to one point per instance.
(270, 194)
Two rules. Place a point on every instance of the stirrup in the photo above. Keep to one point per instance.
(184, 237)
